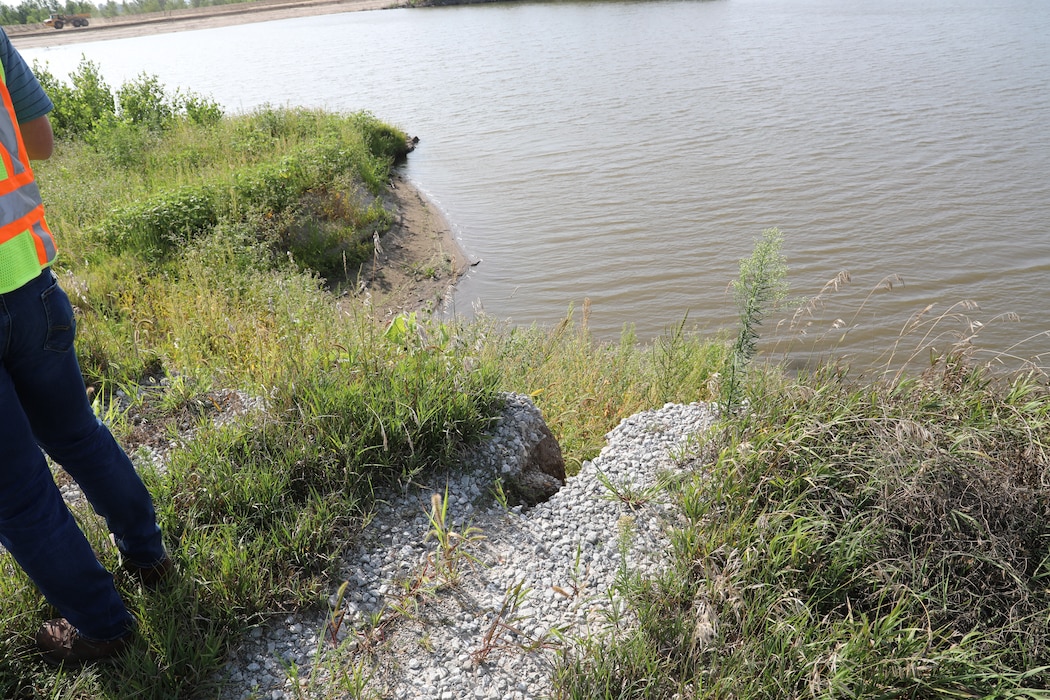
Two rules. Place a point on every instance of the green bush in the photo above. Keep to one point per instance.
(200, 110)
(144, 101)
(89, 104)
(269, 188)
(122, 144)
(80, 106)
(383, 140)
(157, 226)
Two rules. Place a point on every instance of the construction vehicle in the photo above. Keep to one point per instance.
(59, 21)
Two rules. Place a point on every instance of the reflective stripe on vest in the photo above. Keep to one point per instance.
(26, 243)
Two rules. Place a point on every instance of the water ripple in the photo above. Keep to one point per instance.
(631, 152)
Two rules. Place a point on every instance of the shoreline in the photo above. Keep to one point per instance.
(418, 262)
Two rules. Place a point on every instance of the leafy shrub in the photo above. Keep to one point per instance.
(384, 141)
(122, 144)
(79, 107)
(156, 226)
(89, 104)
(270, 188)
(200, 110)
(144, 101)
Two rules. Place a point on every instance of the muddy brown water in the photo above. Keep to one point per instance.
(629, 153)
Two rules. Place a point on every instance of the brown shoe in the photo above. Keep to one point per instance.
(63, 644)
(151, 577)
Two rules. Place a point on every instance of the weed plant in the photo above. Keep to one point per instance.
(760, 285)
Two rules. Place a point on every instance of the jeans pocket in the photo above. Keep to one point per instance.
(61, 326)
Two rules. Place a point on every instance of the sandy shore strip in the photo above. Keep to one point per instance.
(418, 261)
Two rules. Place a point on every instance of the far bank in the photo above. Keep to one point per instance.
(191, 18)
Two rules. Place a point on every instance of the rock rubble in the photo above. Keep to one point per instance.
(540, 577)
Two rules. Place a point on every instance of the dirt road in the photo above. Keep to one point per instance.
(38, 35)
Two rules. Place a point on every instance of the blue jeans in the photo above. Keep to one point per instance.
(43, 404)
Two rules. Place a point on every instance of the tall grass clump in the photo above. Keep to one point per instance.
(299, 193)
(264, 508)
(880, 540)
(845, 539)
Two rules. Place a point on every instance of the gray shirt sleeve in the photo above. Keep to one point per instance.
(28, 97)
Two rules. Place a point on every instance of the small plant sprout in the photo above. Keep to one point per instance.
(577, 579)
(687, 451)
(500, 494)
(354, 680)
(374, 632)
(338, 613)
(504, 633)
(405, 606)
(451, 554)
(627, 492)
(502, 623)
(626, 580)
(616, 612)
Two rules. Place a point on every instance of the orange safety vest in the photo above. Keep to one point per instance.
(26, 243)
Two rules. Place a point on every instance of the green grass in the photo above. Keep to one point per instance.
(842, 540)
(839, 539)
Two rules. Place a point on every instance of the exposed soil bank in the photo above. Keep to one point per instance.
(418, 261)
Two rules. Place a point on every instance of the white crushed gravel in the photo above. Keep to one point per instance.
(451, 641)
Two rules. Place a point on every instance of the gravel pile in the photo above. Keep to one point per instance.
(539, 578)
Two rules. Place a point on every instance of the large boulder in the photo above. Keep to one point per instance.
(542, 472)
(524, 454)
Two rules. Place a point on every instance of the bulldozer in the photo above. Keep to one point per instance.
(59, 21)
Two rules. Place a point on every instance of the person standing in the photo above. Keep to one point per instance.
(44, 407)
